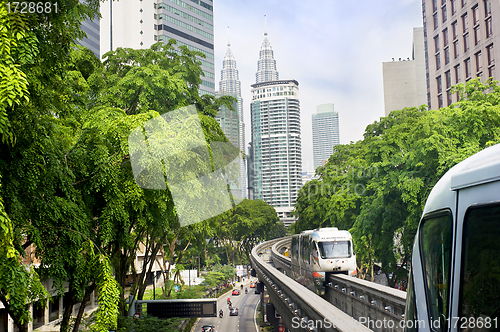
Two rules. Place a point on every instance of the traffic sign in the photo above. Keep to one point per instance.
(282, 329)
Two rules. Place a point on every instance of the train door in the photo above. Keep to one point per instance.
(476, 277)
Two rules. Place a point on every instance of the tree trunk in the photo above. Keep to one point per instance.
(151, 261)
(21, 327)
(68, 310)
(81, 311)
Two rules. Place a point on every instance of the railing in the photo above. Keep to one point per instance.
(349, 301)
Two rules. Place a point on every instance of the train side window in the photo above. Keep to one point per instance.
(435, 248)
(480, 279)
(411, 322)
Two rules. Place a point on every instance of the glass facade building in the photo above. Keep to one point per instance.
(276, 167)
(276, 143)
(139, 24)
(232, 122)
(325, 129)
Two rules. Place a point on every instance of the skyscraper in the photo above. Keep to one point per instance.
(276, 144)
(232, 123)
(462, 41)
(139, 24)
(325, 128)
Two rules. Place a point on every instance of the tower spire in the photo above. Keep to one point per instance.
(265, 25)
(228, 43)
(266, 66)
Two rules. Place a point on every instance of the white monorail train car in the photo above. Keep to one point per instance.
(454, 280)
(315, 253)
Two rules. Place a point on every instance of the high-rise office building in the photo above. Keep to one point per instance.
(276, 144)
(404, 79)
(91, 28)
(325, 128)
(139, 24)
(232, 122)
(462, 41)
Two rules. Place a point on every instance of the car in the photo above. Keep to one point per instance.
(233, 312)
(257, 291)
(208, 328)
(236, 292)
(252, 285)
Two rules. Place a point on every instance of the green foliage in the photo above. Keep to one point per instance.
(377, 187)
(244, 226)
(65, 166)
(218, 275)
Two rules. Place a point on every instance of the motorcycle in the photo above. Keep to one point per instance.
(221, 313)
(246, 291)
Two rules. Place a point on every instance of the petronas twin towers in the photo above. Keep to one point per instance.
(274, 159)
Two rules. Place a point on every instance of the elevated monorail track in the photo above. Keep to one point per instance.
(348, 302)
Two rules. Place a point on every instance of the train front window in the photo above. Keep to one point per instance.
(435, 247)
(480, 279)
(334, 249)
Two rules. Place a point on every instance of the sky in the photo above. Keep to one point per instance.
(333, 48)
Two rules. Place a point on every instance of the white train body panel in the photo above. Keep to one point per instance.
(455, 266)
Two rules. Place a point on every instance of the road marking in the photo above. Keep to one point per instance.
(255, 316)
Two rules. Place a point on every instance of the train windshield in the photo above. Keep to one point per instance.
(334, 249)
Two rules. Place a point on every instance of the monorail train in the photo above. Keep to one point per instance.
(454, 282)
(315, 253)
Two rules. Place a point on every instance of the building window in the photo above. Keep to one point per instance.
(445, 37)
(487, 8)
(446, 55)
(435, 18)
(466, 42)
(491, 71)
(464, 2)
(475, 15)
(440, 101)
(448, 98)
(490, 55)
(454, 30)
(457, 78)
(434, 5)
(453, 7)
(447, 76)
(457, 74)
(477, 35)
(455, 49)
(465, 23)
(467, 69)
(436, 44)
(438, 62)
(439, 85)
(479, 65)
(489, 27)
(444, 13)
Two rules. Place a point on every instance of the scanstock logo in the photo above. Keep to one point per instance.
(171, 151)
